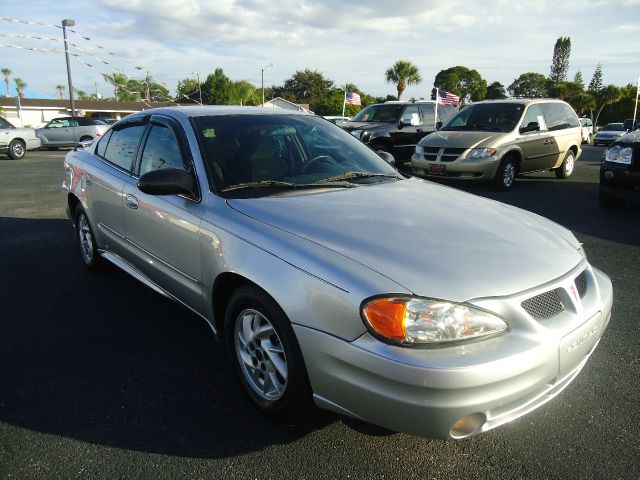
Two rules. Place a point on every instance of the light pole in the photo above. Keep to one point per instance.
(67, 22)
(262, 76)
(199, 85)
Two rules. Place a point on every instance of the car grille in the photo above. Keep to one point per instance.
(447, 155)
(581, 284)
(549, 304)
(545, 305)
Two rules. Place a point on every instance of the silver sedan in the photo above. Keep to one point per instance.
(307, 255)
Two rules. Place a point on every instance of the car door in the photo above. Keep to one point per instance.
(163, 230)
(105, 179)
(538, 145)
(57, 131)
(406, 136)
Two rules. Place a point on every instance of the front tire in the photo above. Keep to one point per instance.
(566, 169)
(265, 355)
(16, 150)
(506, 174)
(86, 241)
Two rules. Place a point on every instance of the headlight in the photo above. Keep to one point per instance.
(357, 133)
(481, 152)
(419, 150)
(427, 322)
(617, 154)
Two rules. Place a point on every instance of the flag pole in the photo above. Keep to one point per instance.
(635, 109)
(344, 100)
(435, 109)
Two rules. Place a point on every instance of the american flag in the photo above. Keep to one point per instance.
(446, 98)
(352, 98)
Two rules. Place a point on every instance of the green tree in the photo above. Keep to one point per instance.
(158, 93)
(463, 82)
(560, 62)
(6, 73)
(243, 93)
(216, 89)
(188, 91)
(332, 103)
(596, 85)
(60, 89)
(622, 108)
(20, 86)
(529, 85)
(495, 91)
(402, 74)
(119, 82)
(305, 86)
(577, 78)
(606, 96)
(583, 103)
(564, 90)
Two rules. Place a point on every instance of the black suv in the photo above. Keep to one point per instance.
(620, 170)
(396, 127)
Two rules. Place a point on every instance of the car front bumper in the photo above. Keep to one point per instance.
(466, 169)
(426, 391)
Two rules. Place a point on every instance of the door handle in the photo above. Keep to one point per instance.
(549, 142)
(132, 202)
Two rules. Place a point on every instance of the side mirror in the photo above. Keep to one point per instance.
(168, 181)
(438, 125)
(387, 157)
(628, 124)
(531, 127)
(401, 124)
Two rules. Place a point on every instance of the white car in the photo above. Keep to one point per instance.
(14, 142)
(587, 129)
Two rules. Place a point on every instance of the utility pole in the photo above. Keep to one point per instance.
(146, 82)
(262, 76)
(67, 22)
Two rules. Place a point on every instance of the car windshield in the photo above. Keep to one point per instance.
(378, 113)
(614, 127)
(266, 154)
(491, 117)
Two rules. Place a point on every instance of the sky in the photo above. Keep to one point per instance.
(355, 41)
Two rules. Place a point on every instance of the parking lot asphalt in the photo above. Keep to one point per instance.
(102, 378)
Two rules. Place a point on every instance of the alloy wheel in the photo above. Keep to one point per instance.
(85, 236)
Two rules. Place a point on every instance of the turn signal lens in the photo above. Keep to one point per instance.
(386, 316)
(424, 321)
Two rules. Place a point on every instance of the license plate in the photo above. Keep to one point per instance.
(437, 169)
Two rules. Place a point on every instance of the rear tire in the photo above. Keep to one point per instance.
(506, 174)
(16, 150)
(566, 169)
(87, 241)
(266, 356)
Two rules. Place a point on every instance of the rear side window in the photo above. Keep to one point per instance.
(559, 116)
(161, 150)
(123, 146)
(427, 114)
(102, 144)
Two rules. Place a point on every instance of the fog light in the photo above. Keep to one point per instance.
(608, 174)
(467, 426)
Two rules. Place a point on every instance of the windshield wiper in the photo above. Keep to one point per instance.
(280, 185)
(353, 175)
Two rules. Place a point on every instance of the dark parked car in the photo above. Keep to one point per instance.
(609, 134)
(396, 127)
(620, 170)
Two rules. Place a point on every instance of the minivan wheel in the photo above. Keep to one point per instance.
(86, 241)
(506, 174)
(566, 169)
(16, 150)
(265, 355)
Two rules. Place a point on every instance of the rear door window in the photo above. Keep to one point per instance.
(559, 116)
(123, 146)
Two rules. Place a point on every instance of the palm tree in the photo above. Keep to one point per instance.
(7, 73)
(60, 89)
(119, 82)
(20, 86)
(403, 73)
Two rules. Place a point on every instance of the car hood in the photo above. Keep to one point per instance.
(630, 138)
(460, 139)
(432, 240)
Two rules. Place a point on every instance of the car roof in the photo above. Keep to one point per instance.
(186, 112)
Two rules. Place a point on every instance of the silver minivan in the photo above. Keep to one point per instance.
(69, 131)
(496, 140)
